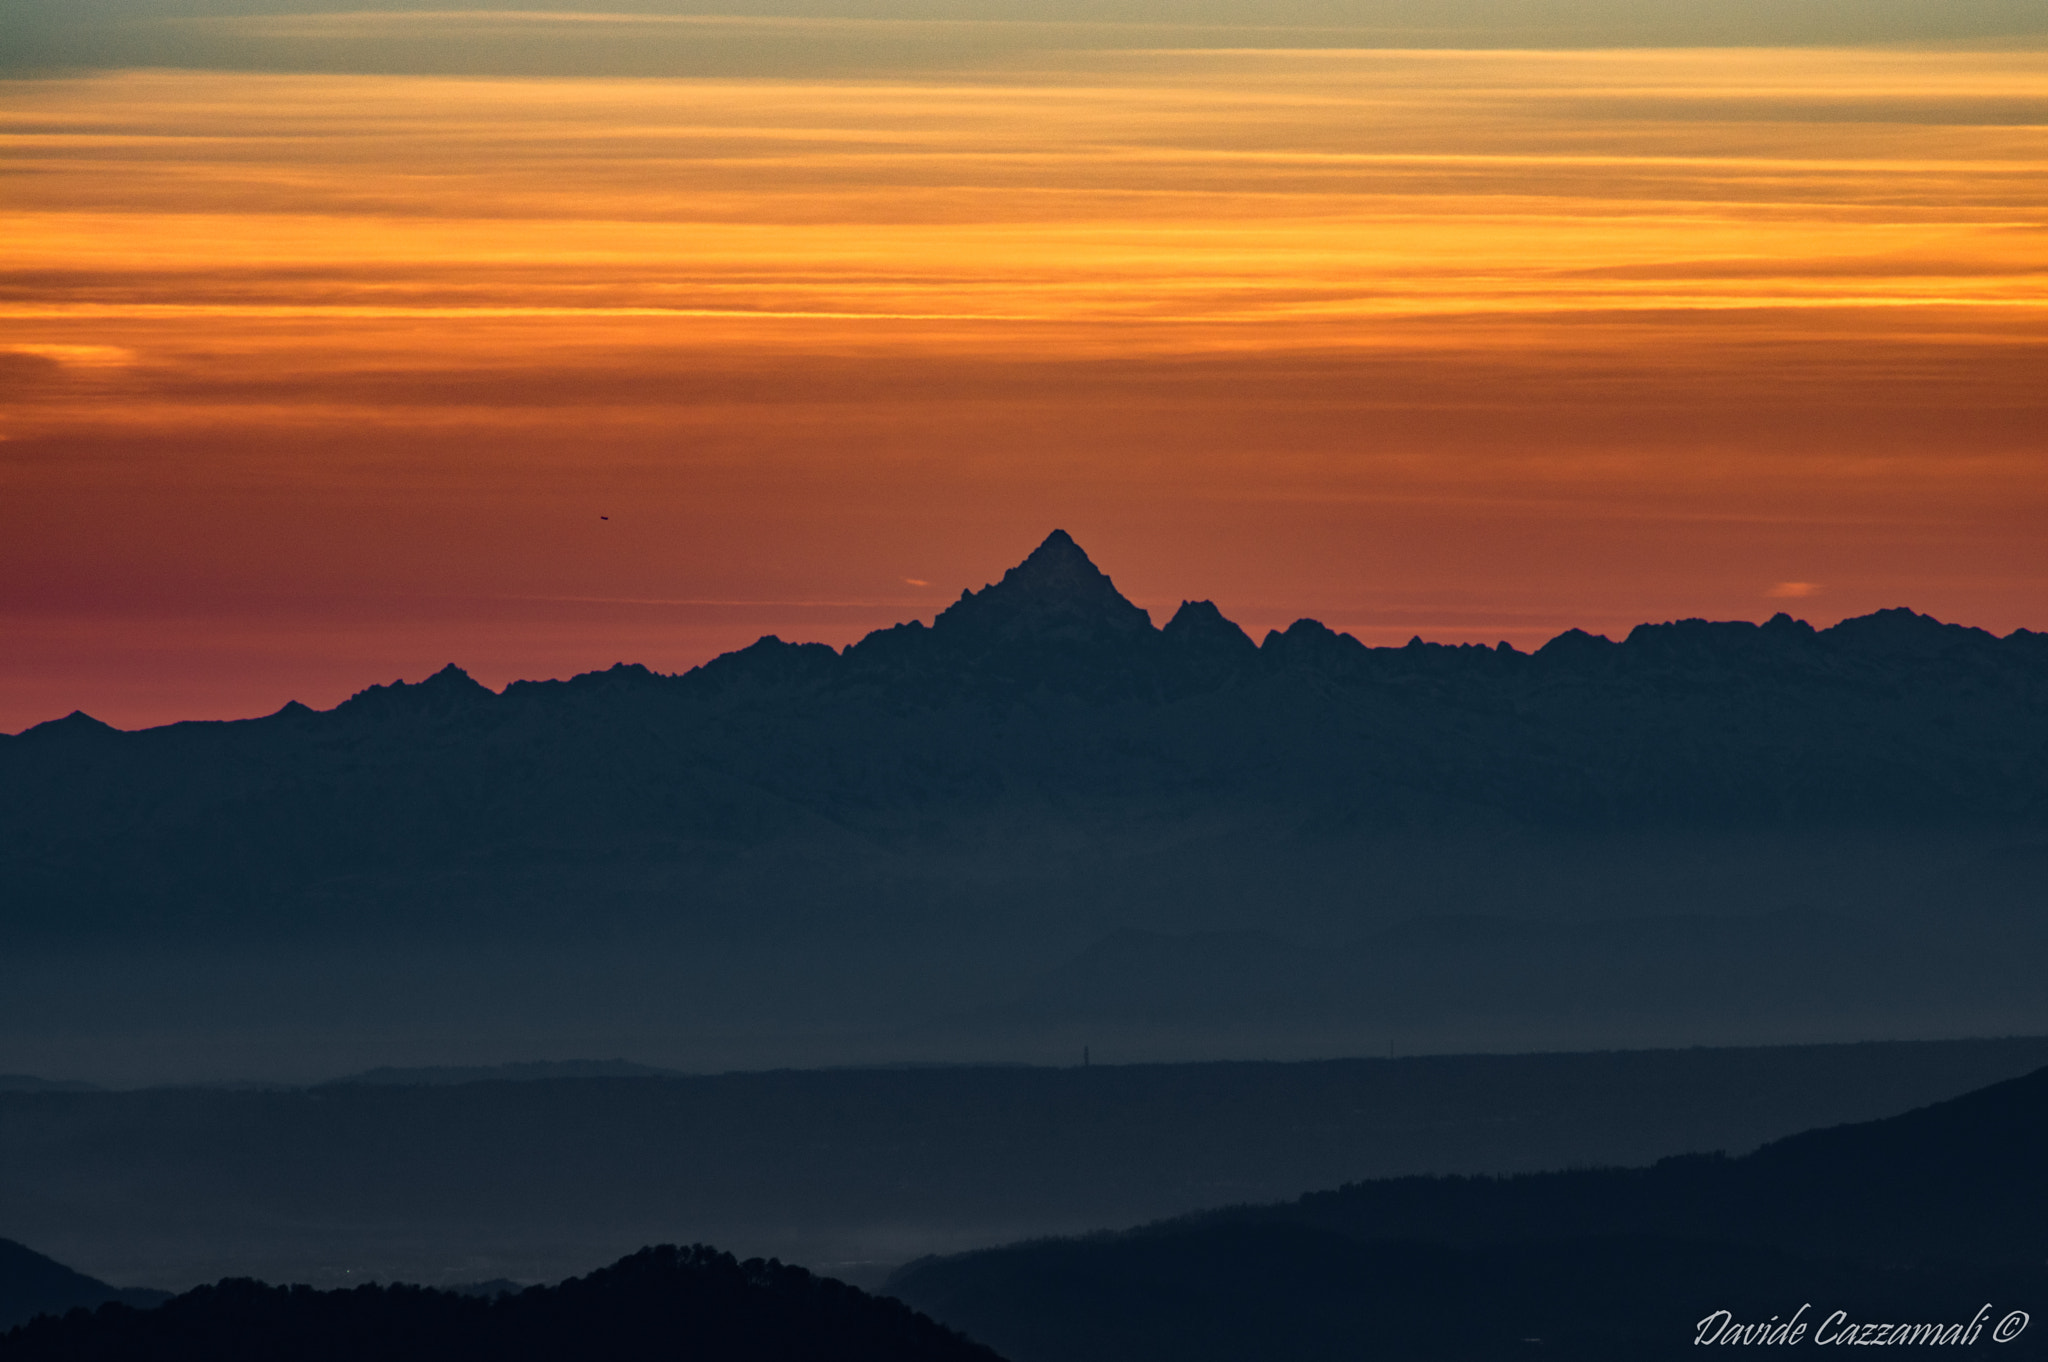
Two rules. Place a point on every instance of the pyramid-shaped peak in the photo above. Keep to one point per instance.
(1058, 563)
(1059, 544)
(452, 675)
(75, 724)
(1057, 591)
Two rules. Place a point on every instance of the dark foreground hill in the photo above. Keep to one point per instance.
(1293, 1293)
(660, 1303)
(1041, 822)
(1921, 1217)
(32, 1285)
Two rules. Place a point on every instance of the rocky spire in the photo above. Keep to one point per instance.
(1055, 594)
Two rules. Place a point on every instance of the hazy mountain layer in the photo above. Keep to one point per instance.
(852, 1172)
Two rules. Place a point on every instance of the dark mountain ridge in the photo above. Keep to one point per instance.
(932, 817)
(1960, 1181)
(1917, 1217)
(1049, 688)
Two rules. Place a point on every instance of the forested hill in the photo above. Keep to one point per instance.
(659, 1303)
(1927, 1217)
(1955, 1181)
(31, 1285)
(1044, 706)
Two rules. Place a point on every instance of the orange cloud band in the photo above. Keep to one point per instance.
(1475, 344)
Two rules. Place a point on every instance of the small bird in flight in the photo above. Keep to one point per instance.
(604, 517)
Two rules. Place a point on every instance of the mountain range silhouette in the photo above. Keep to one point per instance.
(981, 799)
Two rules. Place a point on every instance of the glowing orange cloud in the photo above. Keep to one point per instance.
(311, 380)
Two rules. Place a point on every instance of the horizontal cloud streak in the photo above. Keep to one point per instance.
(797, 38)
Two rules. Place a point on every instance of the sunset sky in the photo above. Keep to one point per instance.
(329, 341)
